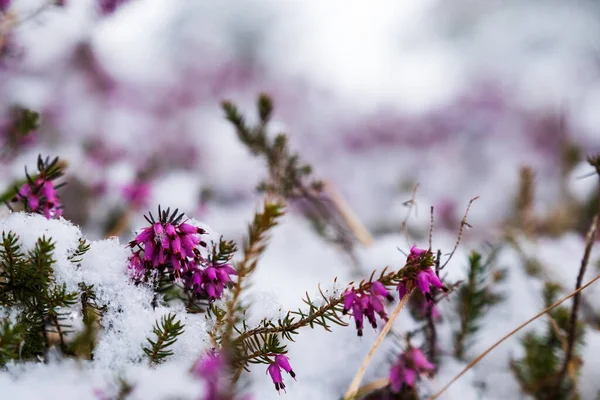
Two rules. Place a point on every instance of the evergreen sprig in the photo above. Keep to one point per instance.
(77, 255)
(166, 332)
(286, 174)
(289, 178)
(27, 284)
(11, 340)
(326, 312)
(474, 299)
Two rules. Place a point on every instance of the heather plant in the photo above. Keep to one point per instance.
(289, 178)
(56, 303)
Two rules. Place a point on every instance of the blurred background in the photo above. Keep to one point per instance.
(377, 96)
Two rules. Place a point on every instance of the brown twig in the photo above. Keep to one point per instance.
(589, 243)
(463, 223)
(410, 203)
(517, 329)
(431, 228)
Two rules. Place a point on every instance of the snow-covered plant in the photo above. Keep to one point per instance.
(39, 306)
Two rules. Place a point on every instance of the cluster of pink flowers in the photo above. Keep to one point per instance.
(39, 194)
(166, 242)
(408, 368)
(172, 244)
(423, 279)
(280, 362)
(210, 282)
(366, 304)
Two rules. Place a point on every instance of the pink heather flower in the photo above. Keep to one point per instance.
(211, 281)
(167, 244)
(410, 365)
(423, 279)
(40, 197)
(136, 266)
(281, 362)
(366, 305)
(109, 6)
(415, 252)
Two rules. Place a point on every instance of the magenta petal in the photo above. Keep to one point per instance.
(378, 289)
(396, 377)
(349, 298)
(420, 361)
(283, 362)
(158, 229)
(275, 373)
(149, 250)
(211, 273)
(223, 276)
(176, 244)
(423, 281)
(402, 289)
(170, 230)
(188, 228)
(376, 304)
(433, 279)
(416, 252)
(144, 236)
(229, 269)
(409, 376)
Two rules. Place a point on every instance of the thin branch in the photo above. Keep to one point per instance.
(463, 223)
(589, 243)
(410, 203)
(517, 329)
(431, 228)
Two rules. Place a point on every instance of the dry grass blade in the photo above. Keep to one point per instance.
(499, 342)
(353, 389)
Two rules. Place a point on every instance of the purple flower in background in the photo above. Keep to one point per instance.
(137, 193)
(109, 6)
(366, 305)
(39, 194)
(4, 5)
(408, 368)
(210, 368)
(281, 362)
